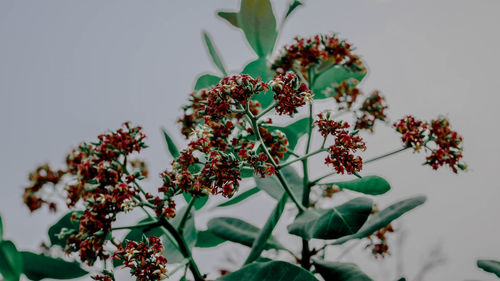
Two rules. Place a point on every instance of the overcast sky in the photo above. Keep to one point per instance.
(70, 70)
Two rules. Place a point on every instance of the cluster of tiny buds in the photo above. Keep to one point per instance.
(436, 136)
(345, 144)
(289, 93)
(144, 259)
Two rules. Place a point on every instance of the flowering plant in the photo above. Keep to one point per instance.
(241, 127)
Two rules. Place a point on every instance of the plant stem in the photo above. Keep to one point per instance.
(183, 248)
(255, 128)
(269, 108)
(305, 260)
(139, 225)
(302, 158)
(184, 218)
(386, 155)
(314, 182)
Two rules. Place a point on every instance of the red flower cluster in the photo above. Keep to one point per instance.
(413, 131)
(380, 248)
(232, 90)
(43, 175)
(445, 145)
(371, 110)
(448, 142)
(99, 178)
(289, 93)
(340, 153)
(305, 52)
(144, 259)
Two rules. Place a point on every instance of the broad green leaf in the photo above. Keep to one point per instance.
(257, 21)
(384, 218)
(294, 5)
(332, 76)
(267, 230)
(340, 271)
(490, 266)
(200, 201)
(231, 17)
(372, 185)
(11, 261)
(64, 222)
(340, 221)
(214, 54)
(172, 148)
(240, 197)
(238, 231)
(206, 81)
(270, 271)
(207, 239)
(259, 68)
(272, 186)
(38, 267)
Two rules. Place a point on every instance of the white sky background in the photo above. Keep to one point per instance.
(70, 70)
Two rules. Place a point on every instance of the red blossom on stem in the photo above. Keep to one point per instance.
(144, 259)
(449, 149)
(345, 143)
(412, 131)
(289, 93)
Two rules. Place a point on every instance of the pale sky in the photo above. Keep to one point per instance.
(70, 70)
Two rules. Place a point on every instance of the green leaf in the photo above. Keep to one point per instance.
(384, 218)
(332, 76)
(172, 148)
(207, 239)
(11, 261)
(294, 5)
(270, 271)
(38, 267)
(340, 271)
(246, 172)
(272, 186)
(206, 81)
(1, 229)
(64, 222)
(372, 185)
(200, 201)
(257, 21)
(259, 68)
(231, 17)
(238, 231)
(490, 266)
(240, 197)
(214, 54)
(340, 221)
(266, 231)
